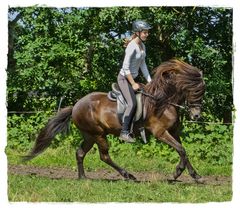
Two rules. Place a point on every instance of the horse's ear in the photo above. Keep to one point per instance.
(201, 73)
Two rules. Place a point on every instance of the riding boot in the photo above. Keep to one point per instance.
(127, 137)
(125, 134)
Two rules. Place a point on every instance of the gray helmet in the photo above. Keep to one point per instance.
(140, 25)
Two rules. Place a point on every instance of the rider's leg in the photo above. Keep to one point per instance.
(130, 97)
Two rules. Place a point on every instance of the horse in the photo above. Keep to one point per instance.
(175, 83)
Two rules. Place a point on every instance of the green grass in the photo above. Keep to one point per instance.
(40, 189)
(64, 156)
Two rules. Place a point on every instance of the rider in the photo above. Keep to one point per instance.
(134, 59)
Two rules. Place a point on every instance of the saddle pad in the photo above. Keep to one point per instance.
(121, 107)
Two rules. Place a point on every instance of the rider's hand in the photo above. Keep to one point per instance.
(135, 86)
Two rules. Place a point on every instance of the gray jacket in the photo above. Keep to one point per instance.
(135, 59)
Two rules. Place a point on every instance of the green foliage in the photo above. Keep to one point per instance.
(209, 142)
(55, 52)
(23, 129)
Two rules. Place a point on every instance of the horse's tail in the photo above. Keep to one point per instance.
(57, 124)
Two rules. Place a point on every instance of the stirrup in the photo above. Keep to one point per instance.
(143, 134)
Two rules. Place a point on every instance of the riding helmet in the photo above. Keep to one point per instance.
(140, 25)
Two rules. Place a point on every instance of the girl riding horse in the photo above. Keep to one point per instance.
(174, 83)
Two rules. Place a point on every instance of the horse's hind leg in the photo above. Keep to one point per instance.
(85, 146)
(104, 155)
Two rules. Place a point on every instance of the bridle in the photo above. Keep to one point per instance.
(187, 106)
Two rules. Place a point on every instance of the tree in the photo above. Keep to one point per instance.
(73, 51)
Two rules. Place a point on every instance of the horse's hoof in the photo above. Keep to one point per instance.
(200, 180)
(129, 176)
(173, 180)
(82, 177)
(175, 176)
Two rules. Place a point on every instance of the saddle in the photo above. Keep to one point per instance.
(116, 96)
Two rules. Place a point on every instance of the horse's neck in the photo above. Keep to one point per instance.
(153, 105)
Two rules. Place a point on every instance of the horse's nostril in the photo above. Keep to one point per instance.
(196, 116)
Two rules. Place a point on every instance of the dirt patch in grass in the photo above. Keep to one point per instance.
(143, 176)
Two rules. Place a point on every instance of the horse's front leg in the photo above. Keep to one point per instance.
(192, 172)
(170, 140)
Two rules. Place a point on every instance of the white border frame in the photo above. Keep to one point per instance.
(108, 3)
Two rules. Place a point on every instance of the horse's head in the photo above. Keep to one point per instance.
(194, 111)
(177, 82)
(194, 99)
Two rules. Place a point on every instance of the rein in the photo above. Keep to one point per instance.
(146, 94)
(179, 106)
(185, 107)
(174, 104)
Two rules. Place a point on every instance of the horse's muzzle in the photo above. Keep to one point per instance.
(195, 117)
(195, 113)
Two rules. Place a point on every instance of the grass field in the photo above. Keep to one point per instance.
(40, 189)
(32, 188)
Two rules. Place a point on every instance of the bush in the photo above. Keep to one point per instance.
(22, 129)
(210, 142)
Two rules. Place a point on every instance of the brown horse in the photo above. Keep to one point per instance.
(174, 83)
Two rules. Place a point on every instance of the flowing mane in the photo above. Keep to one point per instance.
(172, 83)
